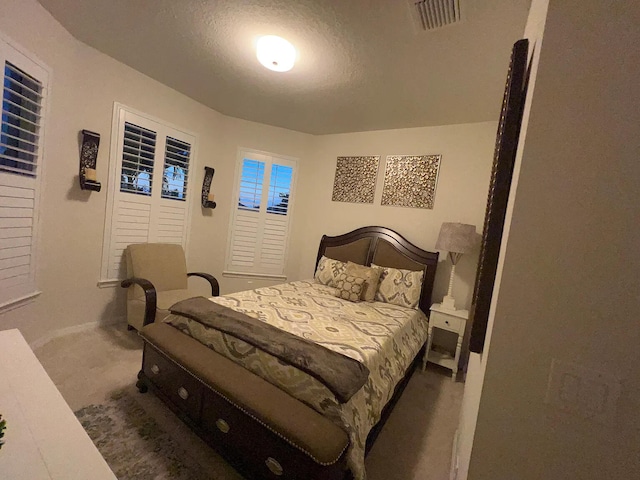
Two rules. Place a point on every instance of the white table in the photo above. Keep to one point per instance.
(43, 439)
(453, 321)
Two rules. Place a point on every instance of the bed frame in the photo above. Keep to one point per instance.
(207, 391)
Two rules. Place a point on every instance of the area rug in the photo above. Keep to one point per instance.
(143, 441)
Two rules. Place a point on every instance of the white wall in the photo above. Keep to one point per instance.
(467, 154)
(84, 86)
(571, 274)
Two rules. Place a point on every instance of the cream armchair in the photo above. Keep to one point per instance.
(157, 278)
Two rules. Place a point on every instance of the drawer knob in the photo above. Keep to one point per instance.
(274, 466)
(155, 369)
(447, 322)
(222, 425)
(182, 393)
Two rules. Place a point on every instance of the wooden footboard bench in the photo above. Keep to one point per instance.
(242, 413)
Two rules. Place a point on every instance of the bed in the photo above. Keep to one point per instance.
(311, 416)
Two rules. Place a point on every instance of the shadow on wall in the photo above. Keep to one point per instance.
(75, 193)
(113, 317)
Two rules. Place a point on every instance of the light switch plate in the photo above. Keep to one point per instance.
(583, 391)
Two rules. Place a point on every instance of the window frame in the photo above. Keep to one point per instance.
(27, 61)
(120, 113)
(269, 158)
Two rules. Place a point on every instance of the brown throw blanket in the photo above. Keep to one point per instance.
(343, 375)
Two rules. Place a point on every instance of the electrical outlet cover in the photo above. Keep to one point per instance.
(588, 393)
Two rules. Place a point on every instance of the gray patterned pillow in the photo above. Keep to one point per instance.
(349, 287)
(399, 287)
(329, 270)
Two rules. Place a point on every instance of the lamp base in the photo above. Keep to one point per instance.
(449, 303)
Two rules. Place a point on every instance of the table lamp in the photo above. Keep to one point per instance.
(455, 238)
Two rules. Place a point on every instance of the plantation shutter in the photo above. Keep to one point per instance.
(149, 203)
(276, 220)
(260, 222)
(23, 100)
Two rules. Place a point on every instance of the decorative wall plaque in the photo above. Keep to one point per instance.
(410, 180)
(88, 160)
(355, 179)
(207, 195)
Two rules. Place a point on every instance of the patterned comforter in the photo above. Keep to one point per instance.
(384, 337)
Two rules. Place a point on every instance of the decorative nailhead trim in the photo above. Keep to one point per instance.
(289, 441)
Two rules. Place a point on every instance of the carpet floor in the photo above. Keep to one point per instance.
(138, 446)
(141, 439)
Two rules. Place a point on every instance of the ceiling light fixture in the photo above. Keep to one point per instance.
(275, 53)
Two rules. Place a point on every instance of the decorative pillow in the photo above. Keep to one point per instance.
(371, 276)
(329, 270)
(349, 287)
(399, 287)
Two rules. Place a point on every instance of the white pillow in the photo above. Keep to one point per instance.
(399, 287)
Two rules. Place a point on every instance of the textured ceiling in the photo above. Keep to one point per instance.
(362, 65)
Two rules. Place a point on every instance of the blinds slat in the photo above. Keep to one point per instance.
(21, 107)
(15, 232)
(16, 241)
(14, 202)
(12, 282)
(22, 120)
(18, 71)
(9, 212)
(16, 127)
(9, 191)
(21, 96)
(8, 223)
(19, 160)
(16, 252)
(17, 170)
(21, 140)
(14, 271)
(17, 149)
(38, 95)
(172, 208)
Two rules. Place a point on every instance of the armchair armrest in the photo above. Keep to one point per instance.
(150, 296)
(215, 287)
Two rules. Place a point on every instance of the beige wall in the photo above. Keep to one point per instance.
(467, 152)
(84, 86)
(571, 275)
(477, 365)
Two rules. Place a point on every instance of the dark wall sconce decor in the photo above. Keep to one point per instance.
(88, 159)
(207, 196)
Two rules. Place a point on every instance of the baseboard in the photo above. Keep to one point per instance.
(83, 327)
(453, 474)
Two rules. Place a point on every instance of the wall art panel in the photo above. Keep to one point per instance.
(355, 179)
(410, 180)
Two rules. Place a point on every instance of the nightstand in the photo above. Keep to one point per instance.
(453, 321)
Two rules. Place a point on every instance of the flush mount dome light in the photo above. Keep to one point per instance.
(275, 53)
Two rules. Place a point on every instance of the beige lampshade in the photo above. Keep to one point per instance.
(456, 237)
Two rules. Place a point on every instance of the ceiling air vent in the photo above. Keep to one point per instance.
(433, 14)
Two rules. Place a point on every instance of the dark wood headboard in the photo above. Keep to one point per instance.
(386, 248)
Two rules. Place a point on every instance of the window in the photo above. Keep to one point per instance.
(148, 202)
(260, 222)
(24, 92)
